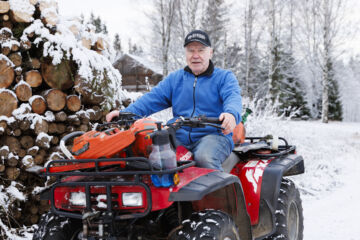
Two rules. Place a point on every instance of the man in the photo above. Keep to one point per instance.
(198, 89)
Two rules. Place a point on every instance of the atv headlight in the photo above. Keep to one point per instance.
(78, 198)
(132, 199)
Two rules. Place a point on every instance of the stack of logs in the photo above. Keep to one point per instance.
(39, 104)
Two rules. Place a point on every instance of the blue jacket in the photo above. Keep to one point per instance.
(208, 94)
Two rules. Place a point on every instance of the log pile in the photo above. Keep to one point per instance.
(39, 104)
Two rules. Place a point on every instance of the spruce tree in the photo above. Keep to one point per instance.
(100, 27)
(214, 24)
(117, 45)
(286, 85)
(335, 105)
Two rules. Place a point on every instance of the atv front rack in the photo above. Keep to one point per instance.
(101, 169)
(141, 164)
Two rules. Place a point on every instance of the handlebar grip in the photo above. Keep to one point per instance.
(214, 120)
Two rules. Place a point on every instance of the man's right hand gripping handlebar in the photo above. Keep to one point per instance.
(111, 115)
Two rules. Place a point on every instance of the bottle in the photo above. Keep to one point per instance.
(168, 156)
(155, 157)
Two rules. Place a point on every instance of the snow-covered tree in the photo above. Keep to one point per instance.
(162, 20)
(214, 22)
(117, 46)
(100, 26)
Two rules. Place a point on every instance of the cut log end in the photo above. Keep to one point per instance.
(23, 92)
(56, 99)
(7, 74)
(8, 103)
(33, 78)
(73, 103)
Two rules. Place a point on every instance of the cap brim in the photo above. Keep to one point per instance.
(196, 40)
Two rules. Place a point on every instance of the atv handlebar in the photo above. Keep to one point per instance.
(197, 122)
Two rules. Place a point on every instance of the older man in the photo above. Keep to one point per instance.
(198, 89)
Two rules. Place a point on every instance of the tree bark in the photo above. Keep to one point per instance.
(59, 76)
(8, 102)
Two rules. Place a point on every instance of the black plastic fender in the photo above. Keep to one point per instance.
(291, 164)
(201, 186)
(223, 187)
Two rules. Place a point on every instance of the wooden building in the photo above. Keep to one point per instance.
(138, 74)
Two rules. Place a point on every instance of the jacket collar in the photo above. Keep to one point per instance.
(208, 71)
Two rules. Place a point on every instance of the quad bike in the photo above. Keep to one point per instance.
(108, 187)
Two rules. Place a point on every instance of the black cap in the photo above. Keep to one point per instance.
(197, 36)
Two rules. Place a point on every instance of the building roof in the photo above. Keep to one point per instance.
(142, 62)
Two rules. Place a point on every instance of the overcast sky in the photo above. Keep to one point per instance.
(125, 17)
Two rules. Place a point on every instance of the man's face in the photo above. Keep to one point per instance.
(197, 57)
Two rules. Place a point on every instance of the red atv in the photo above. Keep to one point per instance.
(110, 188)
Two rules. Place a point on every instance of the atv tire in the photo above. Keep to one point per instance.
(53, 227)
(289, 213)
(208, 224)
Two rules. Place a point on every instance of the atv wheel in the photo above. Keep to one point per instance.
(53, 227)
(289, 213)
(208, 224)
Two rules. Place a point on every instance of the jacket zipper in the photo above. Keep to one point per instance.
(194, 86)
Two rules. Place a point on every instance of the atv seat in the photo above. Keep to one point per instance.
(230, 162)
(234, 158)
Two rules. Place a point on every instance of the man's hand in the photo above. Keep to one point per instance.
(228, 122)
(111, 115)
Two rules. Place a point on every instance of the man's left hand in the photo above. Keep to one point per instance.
(228, 122)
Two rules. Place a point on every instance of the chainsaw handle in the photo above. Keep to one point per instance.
(63, 141)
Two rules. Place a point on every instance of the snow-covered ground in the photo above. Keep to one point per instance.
(330, 186)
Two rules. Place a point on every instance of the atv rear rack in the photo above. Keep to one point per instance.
(281, 151)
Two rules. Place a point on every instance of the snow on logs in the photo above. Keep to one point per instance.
(40, 102)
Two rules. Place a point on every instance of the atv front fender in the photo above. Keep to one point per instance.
(201, 186)
(291, 164)
(221, 191)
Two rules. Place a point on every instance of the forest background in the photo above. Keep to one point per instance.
(304, 55)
